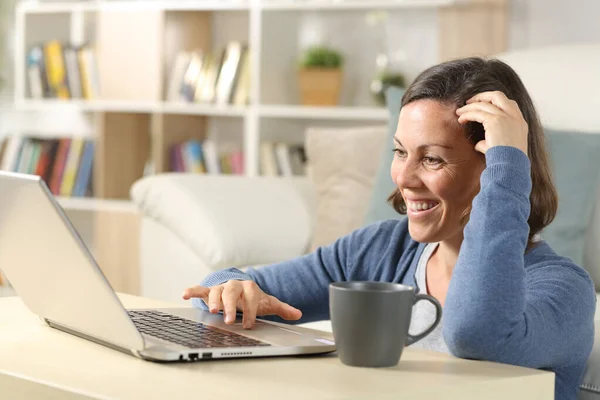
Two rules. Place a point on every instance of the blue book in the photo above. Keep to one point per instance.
(85, 169)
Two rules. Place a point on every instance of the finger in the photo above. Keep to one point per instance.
(284, 310)
(481, 146)
(230, 296)
(196, 291)
(214, 299)
(480, 106)
(475, 116)
(498, 99)
(251, 295)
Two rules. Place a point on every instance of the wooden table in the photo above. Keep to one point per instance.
(39, 362)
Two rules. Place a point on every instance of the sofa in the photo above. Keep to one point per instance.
(193, 225)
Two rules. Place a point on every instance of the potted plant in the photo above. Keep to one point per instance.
(382, 81)
(320, 76)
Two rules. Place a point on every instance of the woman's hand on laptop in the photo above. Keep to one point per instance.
(245, 296)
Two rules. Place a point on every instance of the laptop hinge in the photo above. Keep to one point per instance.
(91, 338)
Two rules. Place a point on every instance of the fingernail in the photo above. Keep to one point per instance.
(228, 317)
(247, 325)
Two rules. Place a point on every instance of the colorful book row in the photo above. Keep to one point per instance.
(66, 164)
(219, 77)
(203, 157)
(62, 71)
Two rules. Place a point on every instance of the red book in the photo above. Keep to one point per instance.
(59, 165)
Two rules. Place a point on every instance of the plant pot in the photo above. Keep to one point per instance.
(319, 86)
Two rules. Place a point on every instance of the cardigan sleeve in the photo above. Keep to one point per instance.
(503, 305)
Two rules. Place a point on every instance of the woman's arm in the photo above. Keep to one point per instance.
(497, 307)
(304, 282)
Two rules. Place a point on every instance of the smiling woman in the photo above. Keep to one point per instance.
(471, 173)
(493, 109)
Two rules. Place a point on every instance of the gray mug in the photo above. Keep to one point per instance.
(370, 321)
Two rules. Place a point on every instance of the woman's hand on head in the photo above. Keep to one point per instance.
(501, 118)
(245, 296)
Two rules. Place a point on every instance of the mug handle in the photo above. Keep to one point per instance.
(438, 316)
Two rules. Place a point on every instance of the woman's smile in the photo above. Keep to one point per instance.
(420, 208)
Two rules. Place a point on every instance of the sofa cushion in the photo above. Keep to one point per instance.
(590, 386)
(231, 220)
(379, 209)
(576, 168)
(342, 165)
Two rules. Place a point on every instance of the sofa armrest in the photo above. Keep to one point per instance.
(231, 220)
(591, 259)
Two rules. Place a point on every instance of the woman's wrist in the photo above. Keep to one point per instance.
(508, 166)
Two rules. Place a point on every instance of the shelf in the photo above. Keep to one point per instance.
(128, 5)
(352, 4)
(269, 111)
(224, 5)
(335, 113)
(131, 107)
(93, 204)
(202, 109)
(84, 105)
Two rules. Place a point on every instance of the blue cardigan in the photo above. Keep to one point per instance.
(533, 309)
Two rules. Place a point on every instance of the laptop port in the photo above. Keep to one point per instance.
(193, 356)
(206, 355)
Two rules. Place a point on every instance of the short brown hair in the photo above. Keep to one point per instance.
(453, 83)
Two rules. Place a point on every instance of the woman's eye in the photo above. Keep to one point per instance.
(399, 152)
(432, 161)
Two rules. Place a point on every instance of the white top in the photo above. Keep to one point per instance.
(423, 314)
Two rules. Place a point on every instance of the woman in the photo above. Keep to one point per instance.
(472, 176)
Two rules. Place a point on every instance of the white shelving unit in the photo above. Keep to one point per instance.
(340, 5)
(89, 204)
(456, 38)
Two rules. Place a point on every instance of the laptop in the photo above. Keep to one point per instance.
(56, 276)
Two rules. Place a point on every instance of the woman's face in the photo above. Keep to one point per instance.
(436, 169)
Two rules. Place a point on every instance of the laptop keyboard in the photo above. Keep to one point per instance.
(186, 332)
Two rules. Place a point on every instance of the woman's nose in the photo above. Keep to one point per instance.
(404, 175)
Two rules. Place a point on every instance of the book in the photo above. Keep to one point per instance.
(193, 156)
(72, 69)
(241, 95)
(10, 158)
(268, 161)
(229, 73)
(36, 74)
(84, 173)
(56, 72)
(176, 82)
(282, 156)
(88, 70)
(211, 156)
(191, 75)
(71, 166)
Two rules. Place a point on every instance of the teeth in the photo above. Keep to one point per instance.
(420, 206)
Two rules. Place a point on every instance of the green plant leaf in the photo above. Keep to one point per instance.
(321, 57)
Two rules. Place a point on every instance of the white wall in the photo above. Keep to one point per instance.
(537, 23)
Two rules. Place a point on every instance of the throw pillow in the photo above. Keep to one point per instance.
(342, 166)
(378, 208)
(576, 169)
